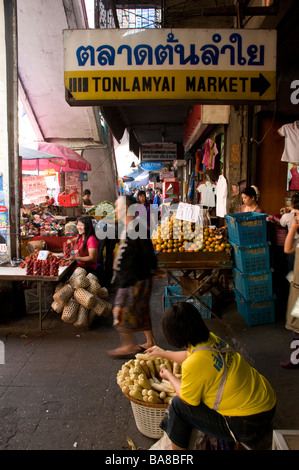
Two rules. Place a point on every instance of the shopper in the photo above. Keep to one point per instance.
(219, 393)
(141, 199)
(287, 220)
(85, 245)
(86, 198)
(134, 265)
(292, 322)
(250, 196)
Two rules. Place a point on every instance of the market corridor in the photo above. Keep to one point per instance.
(58, 387)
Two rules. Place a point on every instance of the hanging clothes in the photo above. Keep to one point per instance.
(221, 197)
(210, 152)
(291, 145)
(207, 189)
(294, 183)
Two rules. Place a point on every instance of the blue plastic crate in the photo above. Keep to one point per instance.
(252, 258)
(173, 295)
(256, 312)
(255, 285)
(247, 228)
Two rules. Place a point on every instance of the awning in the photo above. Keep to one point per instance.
(44, 156)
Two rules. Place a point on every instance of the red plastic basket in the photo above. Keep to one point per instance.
(68, 199)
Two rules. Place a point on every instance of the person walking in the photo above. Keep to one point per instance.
(134, 266)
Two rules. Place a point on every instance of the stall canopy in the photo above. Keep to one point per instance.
(45, 156)
(135, 174)
(138, 178)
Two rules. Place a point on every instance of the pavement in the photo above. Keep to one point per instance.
(58, 387)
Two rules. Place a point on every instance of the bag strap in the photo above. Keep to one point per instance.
(220, 351)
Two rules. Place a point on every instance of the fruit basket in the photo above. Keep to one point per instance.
(148, 417)
(140, 381)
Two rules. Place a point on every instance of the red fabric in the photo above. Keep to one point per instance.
(92, 242)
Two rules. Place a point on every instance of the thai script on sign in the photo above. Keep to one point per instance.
(171, 51)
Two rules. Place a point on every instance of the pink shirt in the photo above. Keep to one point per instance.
(92, 242)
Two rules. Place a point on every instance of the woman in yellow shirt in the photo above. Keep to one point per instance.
(219, 392)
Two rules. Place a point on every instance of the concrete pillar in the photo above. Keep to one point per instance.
(9, 160)
(236, 153)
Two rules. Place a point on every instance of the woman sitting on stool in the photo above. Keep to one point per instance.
(219, 392)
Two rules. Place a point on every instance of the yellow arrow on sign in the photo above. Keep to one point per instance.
(172, 85)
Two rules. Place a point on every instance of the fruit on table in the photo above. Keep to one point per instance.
(174, 235)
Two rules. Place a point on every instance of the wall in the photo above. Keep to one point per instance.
(102, 179)
(236, 152)
(4, 158)
(271, 172)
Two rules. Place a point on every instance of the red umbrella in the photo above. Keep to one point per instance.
(53, 156)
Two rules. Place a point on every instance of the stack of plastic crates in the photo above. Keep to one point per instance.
(247, 233)
(173, 295)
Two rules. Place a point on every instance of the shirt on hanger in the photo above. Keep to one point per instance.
(221, 196)
(291, 145)
(207, 193)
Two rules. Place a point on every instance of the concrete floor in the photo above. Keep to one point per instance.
(58, 387)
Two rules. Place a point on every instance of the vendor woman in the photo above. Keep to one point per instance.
(219, 393)
(85, 245)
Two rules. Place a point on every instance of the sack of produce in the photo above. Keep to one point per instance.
(57, 306)
(70, 311)
(85, 298)
(64, 294)
(82, 317)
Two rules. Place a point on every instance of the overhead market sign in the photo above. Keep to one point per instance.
(162, 64)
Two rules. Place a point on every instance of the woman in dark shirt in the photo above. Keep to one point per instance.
(134, 266)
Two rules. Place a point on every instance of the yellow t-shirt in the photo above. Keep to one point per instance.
(246, 391)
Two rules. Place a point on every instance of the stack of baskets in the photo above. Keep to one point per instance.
(247, 233)
(81, 299)
(173, 295)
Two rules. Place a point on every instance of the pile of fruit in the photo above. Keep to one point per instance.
(140, 379)
(47, 267)
(174, 235)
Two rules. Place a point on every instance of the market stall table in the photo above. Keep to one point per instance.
(209, 264)
(15, 274)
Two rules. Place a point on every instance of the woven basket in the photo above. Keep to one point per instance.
(100, 307)
(57, 306)
(79, 272)
(103, 293)
(94, 287)
(59, 286)
(92, 277)
(85, 298)
(83, 317)
(63, 294)
(70, 311)
(148, 417)
(81, 281)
